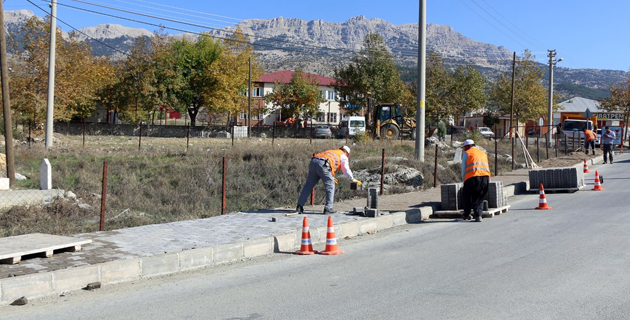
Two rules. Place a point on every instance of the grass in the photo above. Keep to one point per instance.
(163, 182)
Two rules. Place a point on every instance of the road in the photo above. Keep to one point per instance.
(570, 262)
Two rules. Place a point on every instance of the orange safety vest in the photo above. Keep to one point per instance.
(589, 135)
(333, 157)
(476, 164)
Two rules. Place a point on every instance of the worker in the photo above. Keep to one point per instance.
(608, 138)
(589, 140)
(323, 166)
(476, 177)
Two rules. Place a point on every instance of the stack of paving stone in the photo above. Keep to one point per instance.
(570, 178)
(495, 197)
(451, 196)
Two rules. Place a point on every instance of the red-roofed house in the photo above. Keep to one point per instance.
(330, 111)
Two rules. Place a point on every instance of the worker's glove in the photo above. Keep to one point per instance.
(357, 182)
(336, 181)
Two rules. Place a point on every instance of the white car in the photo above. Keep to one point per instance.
(485, 132)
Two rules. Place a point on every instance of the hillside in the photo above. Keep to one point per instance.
(319, 47)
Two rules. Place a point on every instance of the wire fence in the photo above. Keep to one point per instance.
(108, 180)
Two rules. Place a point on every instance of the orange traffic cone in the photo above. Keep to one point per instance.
(586, 167)
(542, 202)
(307, 246)
(598, 185)
(331, 241)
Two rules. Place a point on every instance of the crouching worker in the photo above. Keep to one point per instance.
(323, 166)
(476, 177)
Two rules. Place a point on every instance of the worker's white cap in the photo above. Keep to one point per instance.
(469, 142)
(346, 149)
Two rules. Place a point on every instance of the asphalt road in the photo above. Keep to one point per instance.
(570, 262)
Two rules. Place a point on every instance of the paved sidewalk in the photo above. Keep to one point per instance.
(154, 250)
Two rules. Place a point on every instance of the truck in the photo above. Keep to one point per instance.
(353, 126)
(390, 122)
(572, 130)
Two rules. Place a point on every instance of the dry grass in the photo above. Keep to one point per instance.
(164, 182)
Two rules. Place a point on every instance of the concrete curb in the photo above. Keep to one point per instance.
(57, 282)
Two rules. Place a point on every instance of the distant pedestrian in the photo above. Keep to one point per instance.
(476, 177)
(607, 142)
(589, 140)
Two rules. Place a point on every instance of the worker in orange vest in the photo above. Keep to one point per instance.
(589, 140)
(323, 166)
(476, 177)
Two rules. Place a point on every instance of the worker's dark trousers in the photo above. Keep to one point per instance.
(318, 170)
(474, 191)
(590, 143)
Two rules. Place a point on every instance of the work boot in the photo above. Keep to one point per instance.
(299, 209)
(329, 211)
(478, 218)
(466, 216)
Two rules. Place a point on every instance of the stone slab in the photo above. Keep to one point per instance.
(12, 249)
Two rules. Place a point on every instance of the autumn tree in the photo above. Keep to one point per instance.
(530, 96)
(79, 75)
(373, 71)
(619, 100)
(300, 96)
(230, 75)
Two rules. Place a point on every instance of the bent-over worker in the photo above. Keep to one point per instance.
(323, 166)
(476, 177)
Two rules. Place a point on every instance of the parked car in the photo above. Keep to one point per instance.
(458, 130)
(485, 132)
(598, 139)
(322, 131)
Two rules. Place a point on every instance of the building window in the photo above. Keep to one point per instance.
(257, 92)
(242, 115)
(333, 117)
(332, 95)
(321, 117)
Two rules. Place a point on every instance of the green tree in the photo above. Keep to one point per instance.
(194, 64)
(530, 96)
(438, 83)
(467, 91)
(300, 96)
(373, 71)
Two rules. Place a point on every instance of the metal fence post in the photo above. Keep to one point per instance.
(103, 194)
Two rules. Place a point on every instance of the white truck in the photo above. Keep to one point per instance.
(355, 124)
(573, 131)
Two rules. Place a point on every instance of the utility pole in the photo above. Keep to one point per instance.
(422, 48)
(249, 102)
(50, 106)
(512, 138)
(6, 105)
(552, 63)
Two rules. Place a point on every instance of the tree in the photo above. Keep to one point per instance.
(438, 83)
(530, 96)
(301, 96)
(467, 90)
(372, 73)
(230, 73)
(194, 64)
(79, 75)
(619, 101)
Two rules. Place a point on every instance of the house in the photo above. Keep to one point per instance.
(577, 106)
(330, 110)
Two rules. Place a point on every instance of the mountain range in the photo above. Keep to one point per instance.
(318, 47)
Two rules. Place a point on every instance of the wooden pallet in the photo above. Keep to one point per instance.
(13, 249)
(454, 214)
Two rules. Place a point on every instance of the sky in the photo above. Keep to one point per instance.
(585, 33)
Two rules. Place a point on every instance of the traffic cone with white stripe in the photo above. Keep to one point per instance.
(542, 202)
(586, 167)
(598, 185)
(331, 240)
(307, 245)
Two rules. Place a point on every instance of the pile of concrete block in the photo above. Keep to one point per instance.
(452, 196)
(570, 178)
